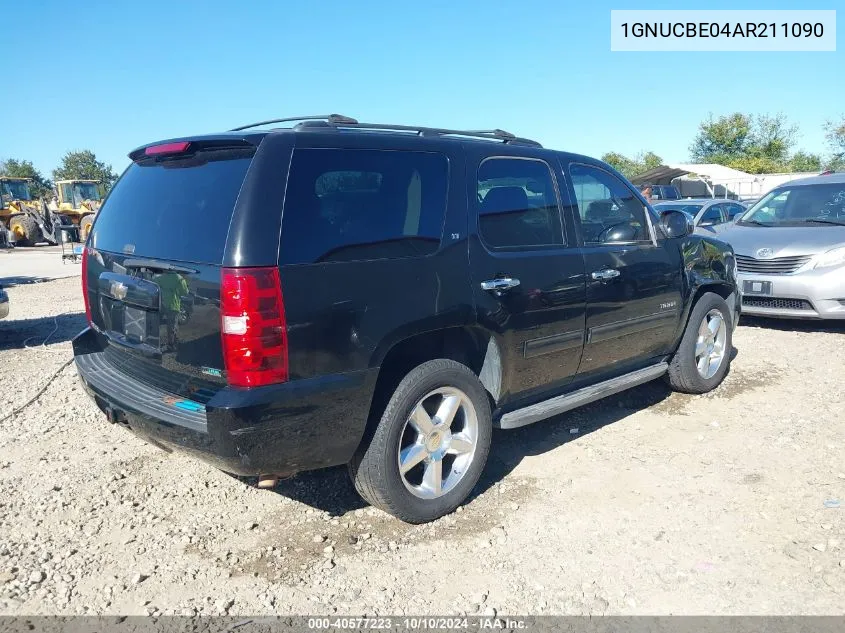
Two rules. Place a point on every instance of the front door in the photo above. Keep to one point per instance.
(633, 283)
(527, 274)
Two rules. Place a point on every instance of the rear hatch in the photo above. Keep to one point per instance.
(153, 263)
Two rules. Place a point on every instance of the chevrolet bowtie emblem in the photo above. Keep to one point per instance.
(118, 290)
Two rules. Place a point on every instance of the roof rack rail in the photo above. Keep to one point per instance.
(494, 135)
(329, 118)
(497, 133)
(341, 121)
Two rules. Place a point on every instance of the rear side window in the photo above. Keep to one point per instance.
(517, 204)
(178, 209)
(347, 205)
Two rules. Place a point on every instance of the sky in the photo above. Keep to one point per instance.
(111, 75)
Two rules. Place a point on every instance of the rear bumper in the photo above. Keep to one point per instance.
(283, 429)
(816, 294)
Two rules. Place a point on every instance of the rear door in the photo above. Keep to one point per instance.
(527, 274)
(633, 283)
(154, 259)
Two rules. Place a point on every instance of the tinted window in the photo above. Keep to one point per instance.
(734, 210)
(344, 205)
(517, 204)
(713, 215)
(175, 209)
(608, 208)
(665, 192)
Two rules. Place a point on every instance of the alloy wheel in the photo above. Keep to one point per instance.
(710, 345)
(438, 443)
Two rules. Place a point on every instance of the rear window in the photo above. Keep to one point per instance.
(177, 209)
(666, 193)
(692, 209)
(346, 205)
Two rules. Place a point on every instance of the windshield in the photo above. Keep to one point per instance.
(14, 190)
(805, 205)
(86, 191)
(692, 209)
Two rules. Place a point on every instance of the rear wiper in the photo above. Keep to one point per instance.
(157, 265)
(825, 221)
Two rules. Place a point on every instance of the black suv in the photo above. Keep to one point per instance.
(382, 296)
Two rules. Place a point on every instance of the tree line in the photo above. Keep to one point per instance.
(756, 144)
(75, 165)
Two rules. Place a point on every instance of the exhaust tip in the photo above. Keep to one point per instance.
(268, 481)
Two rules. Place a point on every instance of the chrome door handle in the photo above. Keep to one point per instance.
(502, 283)
(605, 274)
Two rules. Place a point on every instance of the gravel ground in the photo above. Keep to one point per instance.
(646, 503)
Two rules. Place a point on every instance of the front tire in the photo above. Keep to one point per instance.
(704, 354)
(85, 227)
(25, 230)
(430, 445)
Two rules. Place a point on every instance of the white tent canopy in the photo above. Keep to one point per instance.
(712, 180)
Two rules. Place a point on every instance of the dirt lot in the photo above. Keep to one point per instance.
(649, 502)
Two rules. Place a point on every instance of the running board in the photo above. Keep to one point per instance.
(586, 395)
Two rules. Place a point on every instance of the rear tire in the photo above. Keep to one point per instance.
(704, 354)
(438, 425)
(27, 233)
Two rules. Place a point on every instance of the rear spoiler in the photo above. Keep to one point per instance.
(192, 144)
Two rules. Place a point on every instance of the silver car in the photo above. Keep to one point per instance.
(707, 212)
(790, 250)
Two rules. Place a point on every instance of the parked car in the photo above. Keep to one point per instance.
(382, 296)
(707, 212)
(665, 192)
(790, 250)
(4, 303)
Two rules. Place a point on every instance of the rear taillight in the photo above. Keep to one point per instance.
(254, 330)
(85, 284)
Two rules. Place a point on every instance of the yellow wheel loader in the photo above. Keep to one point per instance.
(28, 221)
(79, 201)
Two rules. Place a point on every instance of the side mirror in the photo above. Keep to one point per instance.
(677, 224)
(707, 223)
